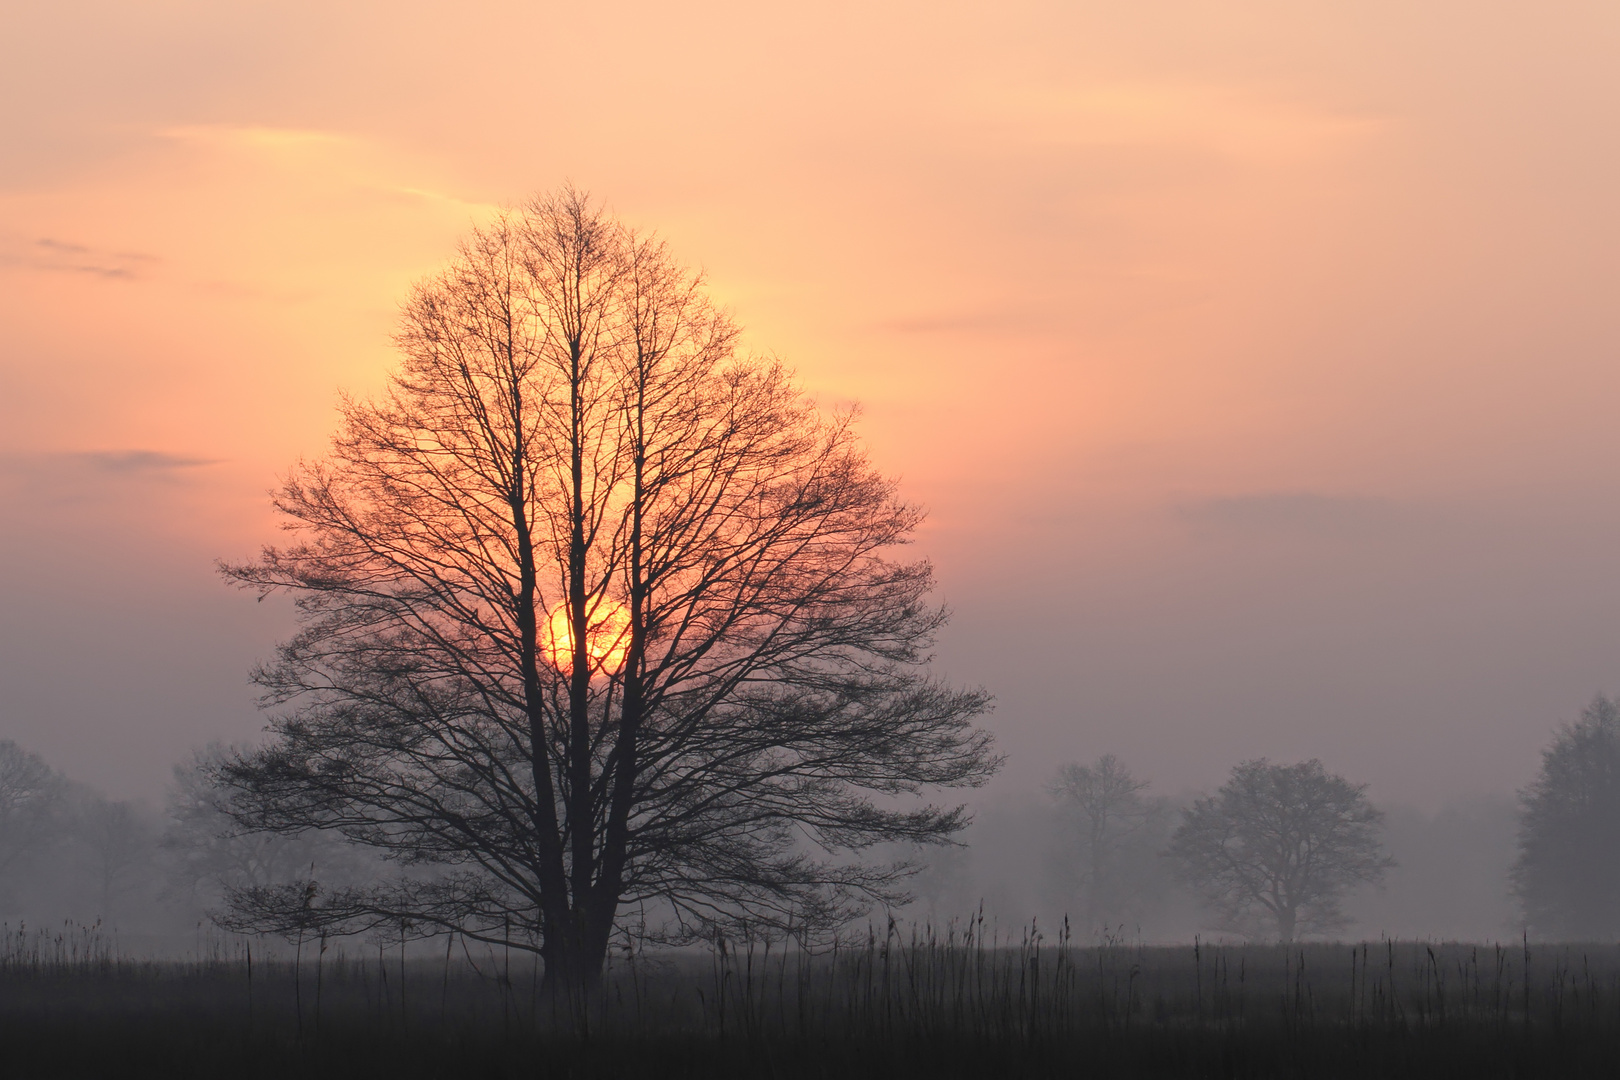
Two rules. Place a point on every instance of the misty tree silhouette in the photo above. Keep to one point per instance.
(1278, 846)
(1567, 874)
(32, 798)
(1117, 835)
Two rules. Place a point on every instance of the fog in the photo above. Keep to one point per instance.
(1020, 861)
(153, 876)
(1255, 366)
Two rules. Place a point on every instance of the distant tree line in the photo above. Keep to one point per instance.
(69, 853)
(1273, 853)
(1276, 850)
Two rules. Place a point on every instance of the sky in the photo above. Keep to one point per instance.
(1256, 361)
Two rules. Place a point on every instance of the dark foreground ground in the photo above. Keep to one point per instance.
(923, 1006)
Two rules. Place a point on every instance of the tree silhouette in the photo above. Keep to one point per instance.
(1567, 875)
(120, 842)
(1278, 846)
(32, 798)
(1111, 820)
(597, 615)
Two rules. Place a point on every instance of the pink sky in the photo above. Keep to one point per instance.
(1256, 361)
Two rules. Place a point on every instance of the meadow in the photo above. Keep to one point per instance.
(963, 1000)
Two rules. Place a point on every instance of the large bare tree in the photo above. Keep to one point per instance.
(598, 616)
(1278, 846)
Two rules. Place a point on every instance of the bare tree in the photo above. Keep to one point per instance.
(121, 844)
(1280, 845)
(31, 801)
(598, 614)
(1110, 816)
(1567, 875)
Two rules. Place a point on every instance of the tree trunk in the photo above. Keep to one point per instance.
(575, 957)
(1286, 920)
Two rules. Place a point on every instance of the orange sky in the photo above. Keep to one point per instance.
(1256, 360)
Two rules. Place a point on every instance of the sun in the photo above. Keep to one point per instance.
(607, 637)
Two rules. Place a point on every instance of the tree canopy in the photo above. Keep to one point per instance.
(1277, 847)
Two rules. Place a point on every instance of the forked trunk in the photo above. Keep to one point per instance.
(575, 957)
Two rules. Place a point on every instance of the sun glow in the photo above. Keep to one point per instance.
(607, 637)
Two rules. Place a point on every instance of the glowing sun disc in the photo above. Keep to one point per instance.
(607, 637)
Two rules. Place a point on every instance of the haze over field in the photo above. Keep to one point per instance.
(1256, 362)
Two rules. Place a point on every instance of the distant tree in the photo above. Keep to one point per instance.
(210, 856)
(121, 845)
(943, 886)
(1567, 874)
(1116, 833)
(1278, 846)
(599, 615)
(32, 795)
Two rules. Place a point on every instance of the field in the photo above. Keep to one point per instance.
(895, 1002)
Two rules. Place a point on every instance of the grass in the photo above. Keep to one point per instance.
(962, 1001)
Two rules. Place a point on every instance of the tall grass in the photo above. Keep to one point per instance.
(962, 999)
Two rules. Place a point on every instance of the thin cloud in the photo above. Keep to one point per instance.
(88, 475)
(53, 255)
(138, 461)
